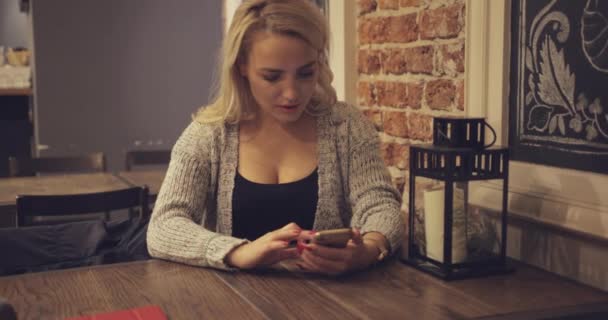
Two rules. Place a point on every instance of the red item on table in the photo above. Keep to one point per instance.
(140, 313)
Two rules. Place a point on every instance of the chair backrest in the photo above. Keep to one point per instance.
(146, 157)
(93, 162)
(31, 206)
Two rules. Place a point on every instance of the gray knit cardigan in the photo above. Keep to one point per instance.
(192, 218)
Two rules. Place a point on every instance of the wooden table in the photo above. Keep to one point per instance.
(152, 178)
(390, 291)
(53, 184)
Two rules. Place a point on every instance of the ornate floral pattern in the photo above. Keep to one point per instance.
(559, 83)
(555, 105)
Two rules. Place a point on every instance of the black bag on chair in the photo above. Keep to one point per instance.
(69, 245)
(7, 312)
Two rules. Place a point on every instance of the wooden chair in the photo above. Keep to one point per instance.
(31, 206)
(77, 244)
(146, 158)
(93, 162)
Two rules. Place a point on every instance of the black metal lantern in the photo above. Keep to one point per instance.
(452, 233)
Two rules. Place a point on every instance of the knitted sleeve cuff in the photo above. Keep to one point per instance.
(218, 248)
(389, 226)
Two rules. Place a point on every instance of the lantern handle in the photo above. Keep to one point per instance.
(493, 133)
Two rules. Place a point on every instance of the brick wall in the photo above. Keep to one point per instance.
(410, 68)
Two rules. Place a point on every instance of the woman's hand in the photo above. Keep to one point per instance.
(266, 250)
(359, 253)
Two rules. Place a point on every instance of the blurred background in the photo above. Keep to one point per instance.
(108, 75)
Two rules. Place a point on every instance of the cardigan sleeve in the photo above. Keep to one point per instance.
(375, 202)
(176, 229)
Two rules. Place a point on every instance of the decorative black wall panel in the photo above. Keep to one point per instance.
(559, 83)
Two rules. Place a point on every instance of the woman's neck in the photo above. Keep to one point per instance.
(268, 127)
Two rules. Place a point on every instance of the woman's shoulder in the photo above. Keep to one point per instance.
(342, 111)
(345, 114)
(199, 138)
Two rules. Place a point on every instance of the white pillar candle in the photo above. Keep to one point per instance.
(434, 205)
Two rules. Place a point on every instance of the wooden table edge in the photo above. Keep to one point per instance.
(561, 312)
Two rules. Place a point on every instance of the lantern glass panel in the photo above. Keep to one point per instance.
(476, 232)
(484, 219)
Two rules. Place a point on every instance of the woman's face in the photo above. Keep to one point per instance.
(282, 72)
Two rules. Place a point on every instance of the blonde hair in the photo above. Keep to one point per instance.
(232, 100)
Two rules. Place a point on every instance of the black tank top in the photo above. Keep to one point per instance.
(259, 208)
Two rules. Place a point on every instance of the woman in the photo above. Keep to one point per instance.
(275, 155)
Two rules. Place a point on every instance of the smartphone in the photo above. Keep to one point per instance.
(336, 238)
